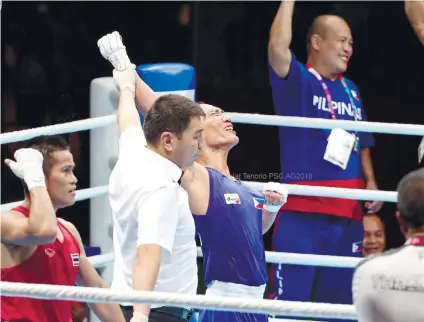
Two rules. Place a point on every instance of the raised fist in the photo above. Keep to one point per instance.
(112, 49)
(29, 167)
(275, 196)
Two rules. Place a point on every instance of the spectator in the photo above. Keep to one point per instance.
(317, 225)
(374, 235)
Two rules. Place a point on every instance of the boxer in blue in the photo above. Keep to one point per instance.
(230, 217)
(236, 217)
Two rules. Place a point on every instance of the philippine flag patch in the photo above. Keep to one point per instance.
(75, 259)
(357, 247)
(259, 203)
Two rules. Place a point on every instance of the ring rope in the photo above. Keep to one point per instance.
(100, 261)
(63, 128)
(104, 295)
(318, 123)
(293, 189)
(243, 118)
(82, 194)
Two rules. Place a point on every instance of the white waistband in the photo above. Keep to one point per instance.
(235, 290)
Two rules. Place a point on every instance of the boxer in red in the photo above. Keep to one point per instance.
(36, 246)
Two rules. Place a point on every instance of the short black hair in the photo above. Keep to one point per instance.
(171, 113)
(47, 145)
(411, 199)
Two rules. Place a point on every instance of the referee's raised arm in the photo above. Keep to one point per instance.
(127, 112)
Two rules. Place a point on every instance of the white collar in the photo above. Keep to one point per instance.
(170, 167)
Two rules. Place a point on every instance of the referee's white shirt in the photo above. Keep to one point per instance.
(389, 287)
(150, 207)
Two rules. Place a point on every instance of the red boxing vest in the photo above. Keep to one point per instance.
(56, 264)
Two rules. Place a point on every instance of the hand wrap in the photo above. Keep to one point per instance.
(278, 188)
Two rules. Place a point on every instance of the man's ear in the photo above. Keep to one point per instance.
(315, 42)
(166, 140)
(401, 222)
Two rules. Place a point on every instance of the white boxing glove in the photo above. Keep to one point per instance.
(125, 79)
(278, 188)
(112, 49)
(29, 167)
(139, 317)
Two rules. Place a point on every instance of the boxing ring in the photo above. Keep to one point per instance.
(286, 308)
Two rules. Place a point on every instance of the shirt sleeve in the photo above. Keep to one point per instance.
(362, 292)
(157, 216)
(132, 139)
(293, 76)
(289, 92)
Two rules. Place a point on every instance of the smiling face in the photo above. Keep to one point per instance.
(374, 236)
(60, 179)
(218, 131)
(333, 44)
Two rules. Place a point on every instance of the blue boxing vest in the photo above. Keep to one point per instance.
(231, 233)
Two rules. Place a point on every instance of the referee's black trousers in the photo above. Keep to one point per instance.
(154, 315)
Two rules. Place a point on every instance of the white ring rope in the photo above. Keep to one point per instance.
(318, 123)
(100, 261)
(333, 192)
(104, 295)
(82, 194)
(69, 127)
(243, 118)
(293, 189)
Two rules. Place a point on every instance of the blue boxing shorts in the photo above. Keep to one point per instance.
(319, 234)
(233, 290)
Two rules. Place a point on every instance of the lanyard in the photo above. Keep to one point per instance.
(415, 241)
(330, 100)
(328, 95)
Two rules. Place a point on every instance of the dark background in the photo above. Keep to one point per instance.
(50, 55)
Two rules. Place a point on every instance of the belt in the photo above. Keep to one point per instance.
(179, 313)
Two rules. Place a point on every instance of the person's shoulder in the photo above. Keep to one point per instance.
(296, 68)
(134, 132)
(376, 260)
(70, 227)
(154, 185)
(12, 213)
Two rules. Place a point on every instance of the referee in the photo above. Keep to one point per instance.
(154, 231)
(390, 287)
